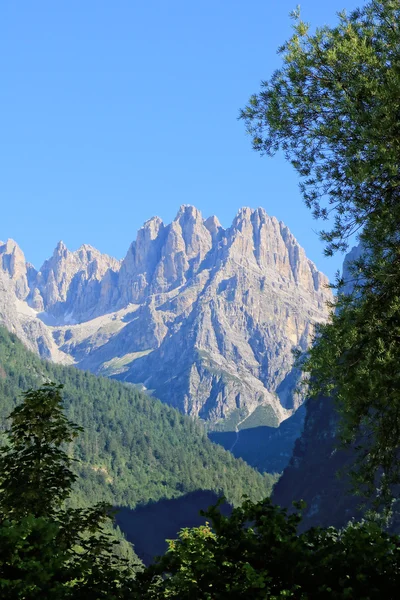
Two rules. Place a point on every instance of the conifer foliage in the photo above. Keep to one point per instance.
(46, 549)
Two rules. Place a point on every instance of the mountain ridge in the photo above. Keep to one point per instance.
(206, 317)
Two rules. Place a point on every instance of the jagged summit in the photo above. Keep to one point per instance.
(69, 281)
(153, 224)
(9, 245)
(212, 223)
(188, 211)
(12, 262)
(86, 248)
(60, 250)
(206, 317)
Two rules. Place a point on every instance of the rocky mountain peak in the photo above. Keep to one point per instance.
(86, 249)
(12, 262)
(63, 284)
(242, 218)
(188, 211)
(214, 227)
(151, 228)
(143, 250)
(205, 317)
(196, 237)
(11, 248)
(60, 250)
(249, 219)
(138, 266)
(264, 243)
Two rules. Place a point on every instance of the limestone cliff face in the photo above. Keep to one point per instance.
(164, 257)
(12, 262)
(15, 313)
(69, 283)
(204, 317)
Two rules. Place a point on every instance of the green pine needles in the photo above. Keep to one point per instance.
(46, 549)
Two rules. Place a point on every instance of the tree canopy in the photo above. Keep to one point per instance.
(50, 550)
(257, 553)
(334, 110)
(35, 472)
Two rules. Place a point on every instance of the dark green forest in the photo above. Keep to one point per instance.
(49, 549)
(134, 449)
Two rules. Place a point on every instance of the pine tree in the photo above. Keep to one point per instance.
(48, 550)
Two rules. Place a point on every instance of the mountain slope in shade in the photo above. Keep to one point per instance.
(312, 474)
(205, 318)
(148, 527)
(267, 449)
(313, 471)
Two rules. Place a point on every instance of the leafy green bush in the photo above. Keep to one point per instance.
(256, 553)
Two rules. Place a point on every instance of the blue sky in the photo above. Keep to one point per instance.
(114, 111)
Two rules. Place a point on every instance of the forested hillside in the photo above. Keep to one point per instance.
(134, 449)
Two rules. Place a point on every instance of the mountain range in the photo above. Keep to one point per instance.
(203, 317)
(247, 290)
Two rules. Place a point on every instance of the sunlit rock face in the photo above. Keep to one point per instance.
(15, 312)
(204, 317)
(69, 283)
(12, 263)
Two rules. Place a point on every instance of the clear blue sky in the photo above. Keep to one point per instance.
(114, 111)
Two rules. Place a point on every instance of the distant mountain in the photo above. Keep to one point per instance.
(203, 317)
(15, 313)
